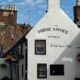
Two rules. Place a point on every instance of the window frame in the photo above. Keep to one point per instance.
(42, 53)
(44, 72)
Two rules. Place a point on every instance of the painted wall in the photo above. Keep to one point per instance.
(62, 45)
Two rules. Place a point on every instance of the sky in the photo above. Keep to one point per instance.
(31, 11)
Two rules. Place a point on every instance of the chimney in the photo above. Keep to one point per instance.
(77, 13)
(78, 2)
(8, 15)
(53, 4)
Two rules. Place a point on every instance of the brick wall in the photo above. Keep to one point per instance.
(8, 16)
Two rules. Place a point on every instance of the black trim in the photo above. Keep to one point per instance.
(21, 48)
(26, 76)
(44, 72)
(45, 47)
(26, 63)
(26, 59)
(25, 41)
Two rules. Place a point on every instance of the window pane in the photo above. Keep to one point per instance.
(40, 43)
(42, 71)
(42, 68)
(57, 69)
(40, 46)
(40, 49)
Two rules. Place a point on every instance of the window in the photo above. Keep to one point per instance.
(77, 78)
(42, 71)
(40, 47)
(57, 70)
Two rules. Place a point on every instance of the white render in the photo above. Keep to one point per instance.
(62, 53)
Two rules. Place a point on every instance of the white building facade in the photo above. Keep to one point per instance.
(54, 47)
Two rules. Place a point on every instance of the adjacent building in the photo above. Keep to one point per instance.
(8, 15)
(54, 47)
(77, 13)
(13, 45)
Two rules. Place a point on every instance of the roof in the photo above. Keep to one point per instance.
(10, 35)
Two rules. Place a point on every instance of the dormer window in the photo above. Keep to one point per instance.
(40, 47)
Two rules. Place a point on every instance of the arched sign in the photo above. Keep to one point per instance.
(78, 57)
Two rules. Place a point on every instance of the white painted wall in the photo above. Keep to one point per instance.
(55, 18)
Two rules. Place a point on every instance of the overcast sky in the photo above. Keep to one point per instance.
(30, 11)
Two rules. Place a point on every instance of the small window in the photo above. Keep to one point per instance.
(42, 70)
(40, 47)
(77, 78)
(57, 70)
